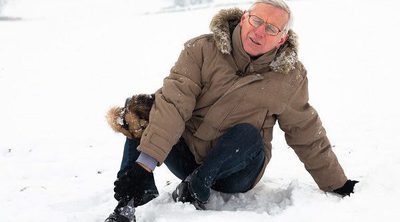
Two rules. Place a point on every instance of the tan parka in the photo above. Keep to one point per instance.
(215, 85)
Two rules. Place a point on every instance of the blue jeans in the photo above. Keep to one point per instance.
(232, 166)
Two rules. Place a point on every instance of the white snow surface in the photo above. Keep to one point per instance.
(63, 64)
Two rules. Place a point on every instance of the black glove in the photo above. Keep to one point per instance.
(135, 183)
(347, 188)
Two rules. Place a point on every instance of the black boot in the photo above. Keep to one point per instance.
(123, 212)
(185, 194)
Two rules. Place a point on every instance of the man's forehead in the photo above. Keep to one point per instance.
(268, 10)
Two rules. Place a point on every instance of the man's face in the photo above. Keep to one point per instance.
(256, 40)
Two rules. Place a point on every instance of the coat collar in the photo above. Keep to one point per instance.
(226, 32)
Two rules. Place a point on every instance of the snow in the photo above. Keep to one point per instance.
(63, 64)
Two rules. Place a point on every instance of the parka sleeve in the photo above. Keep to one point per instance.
(173, 105)
(305, 134)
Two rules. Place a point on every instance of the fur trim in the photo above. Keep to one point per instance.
(225, 21)
(114, 119)
(141, 105)
(286, 57)
(221, 26)
(132, 119)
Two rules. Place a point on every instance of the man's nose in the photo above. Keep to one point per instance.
(260, 31)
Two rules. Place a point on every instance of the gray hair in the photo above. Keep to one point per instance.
(279, 4)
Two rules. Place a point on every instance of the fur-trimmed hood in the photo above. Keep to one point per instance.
(223, 24)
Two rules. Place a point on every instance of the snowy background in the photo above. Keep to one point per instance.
(64, 63)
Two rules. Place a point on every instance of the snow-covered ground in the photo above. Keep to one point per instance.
(64, 63)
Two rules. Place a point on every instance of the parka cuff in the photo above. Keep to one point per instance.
(147, 160)
(336, 185)
(156, 143)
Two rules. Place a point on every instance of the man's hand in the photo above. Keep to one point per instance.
(136, 183)
(347, 188)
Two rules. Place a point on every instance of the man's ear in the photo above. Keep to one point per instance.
(242, 18)
(283, 40)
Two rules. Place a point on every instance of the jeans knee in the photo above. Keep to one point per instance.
(245, 135)
(246, 130)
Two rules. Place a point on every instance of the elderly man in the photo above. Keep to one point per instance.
(211, 122)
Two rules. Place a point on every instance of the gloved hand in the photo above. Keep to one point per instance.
(135, 183)
(347, 188)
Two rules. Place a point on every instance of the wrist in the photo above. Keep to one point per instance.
(148, 162)
(145, 167)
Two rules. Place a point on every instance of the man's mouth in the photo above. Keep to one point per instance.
(257, 43)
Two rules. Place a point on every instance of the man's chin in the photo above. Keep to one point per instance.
(251, 51)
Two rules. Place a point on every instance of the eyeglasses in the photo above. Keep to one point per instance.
(270, 29)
